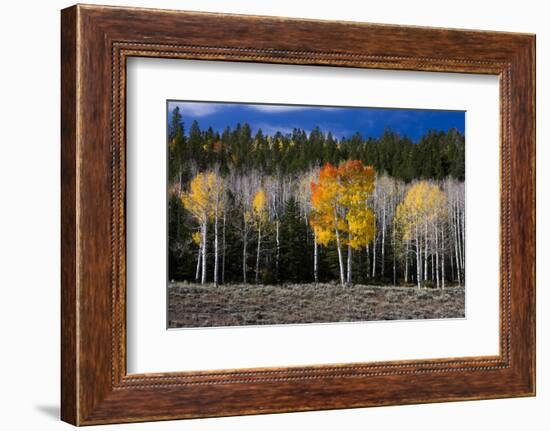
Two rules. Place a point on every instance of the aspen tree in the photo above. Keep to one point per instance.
(358, 184)
(203, 202)
(422, 205)
(304, 200)
(326, 218)
(259, 211)
(218, 197)
(339, 207)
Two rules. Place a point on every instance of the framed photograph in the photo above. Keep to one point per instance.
(264, 215)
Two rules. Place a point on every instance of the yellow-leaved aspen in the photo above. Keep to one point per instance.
(259, 208)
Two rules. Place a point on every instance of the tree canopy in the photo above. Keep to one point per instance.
(437, 155)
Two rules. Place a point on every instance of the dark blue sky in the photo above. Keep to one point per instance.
(341, 121)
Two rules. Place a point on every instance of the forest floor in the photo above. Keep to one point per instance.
(195, 305)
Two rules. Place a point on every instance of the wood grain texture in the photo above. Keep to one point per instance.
(96, 41)
(69, 397)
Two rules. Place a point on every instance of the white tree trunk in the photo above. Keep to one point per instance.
(425, 250)
(418, 258)
(443, 259)
(394, 260)
(199, 254)
(432, 266)
(460, 262)
(368, 260)
(204, 232)
(216, 249)
(374, 257)
(463, 240)
(339, 248)
(455, 234)
(383, 236)
(436, 256)
(406, 262)
(223, 249)
(245, 239)
(315, 258)
(348, 278)
(278, 248)
(451, 260)
(258, 254)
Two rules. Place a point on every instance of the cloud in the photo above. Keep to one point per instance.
(278, 108)
(196, 109)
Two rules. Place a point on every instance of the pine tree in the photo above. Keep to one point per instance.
(294, 250)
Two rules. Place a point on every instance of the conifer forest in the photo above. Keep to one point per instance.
(304, 226)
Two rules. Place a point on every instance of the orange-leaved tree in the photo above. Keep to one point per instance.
(340, 211)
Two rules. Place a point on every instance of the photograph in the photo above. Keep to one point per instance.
(276, 209)
(294, 214)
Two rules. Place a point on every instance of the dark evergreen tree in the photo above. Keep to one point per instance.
(176, 145)
(180, 249)
(296, 258)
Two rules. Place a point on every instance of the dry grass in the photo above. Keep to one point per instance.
(192, 305)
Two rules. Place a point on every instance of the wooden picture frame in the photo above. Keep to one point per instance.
(95, 43)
